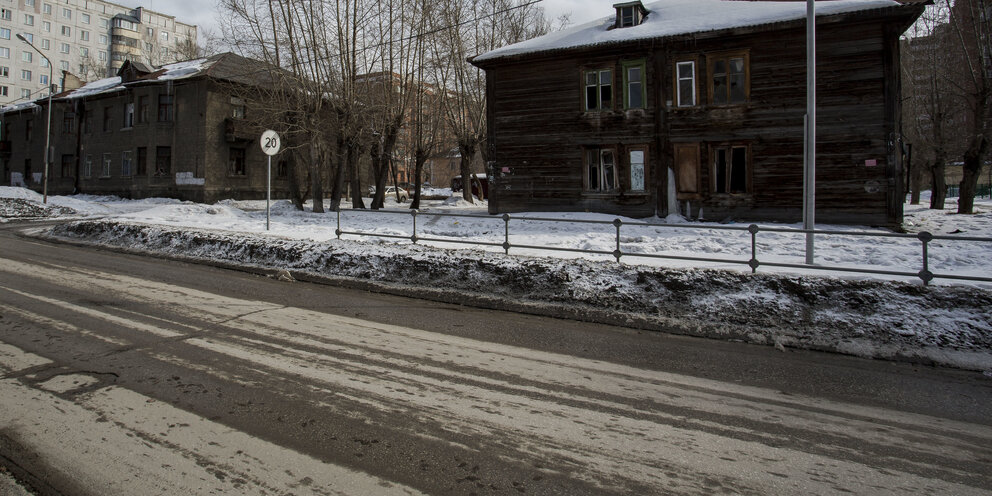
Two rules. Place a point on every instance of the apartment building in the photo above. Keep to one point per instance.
(90, 39)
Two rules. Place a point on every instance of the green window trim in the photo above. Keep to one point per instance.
(638, 97)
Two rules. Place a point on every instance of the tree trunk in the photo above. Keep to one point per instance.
(939, 185)
(381, 156)
(419, 157)
(316, 178)
(972, 170)
(467, 150)
(340, 162)
(356, 182)
(916, 182)
(295, 193)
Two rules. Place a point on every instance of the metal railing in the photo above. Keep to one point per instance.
(925, 238)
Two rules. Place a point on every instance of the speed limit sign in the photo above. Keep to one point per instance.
(270, 142)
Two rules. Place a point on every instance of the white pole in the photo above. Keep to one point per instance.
(809, 170)
(268, 192)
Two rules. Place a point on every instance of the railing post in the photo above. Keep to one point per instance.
(337, 232)
(414, 236)
(753, 263)
(925, 274)
(617, 253)
(506, 234)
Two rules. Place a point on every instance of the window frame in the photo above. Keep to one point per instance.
(166, 104)
(726, 56)
(159, 170)
(598, 71)
(126, 164)
(626, 66)
(587, 172)
(88, 167)
(677, 80)
(728, 173)
(237, 164)
(645, 149)
(108, 159)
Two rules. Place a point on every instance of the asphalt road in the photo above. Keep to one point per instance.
(122, 374)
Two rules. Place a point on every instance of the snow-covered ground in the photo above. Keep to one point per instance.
(968, 258)
(872, 316)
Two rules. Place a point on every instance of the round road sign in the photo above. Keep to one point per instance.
(270, 142)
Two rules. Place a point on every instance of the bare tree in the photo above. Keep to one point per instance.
(495, 23)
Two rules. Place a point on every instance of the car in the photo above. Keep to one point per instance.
(392, 192)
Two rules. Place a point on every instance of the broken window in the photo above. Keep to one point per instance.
(599, 89)
(730, 169)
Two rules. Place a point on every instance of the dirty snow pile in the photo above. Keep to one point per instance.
(871, 317)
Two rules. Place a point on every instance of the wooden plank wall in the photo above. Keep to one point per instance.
(538, 126)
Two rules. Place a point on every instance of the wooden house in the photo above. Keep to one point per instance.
(697, 107)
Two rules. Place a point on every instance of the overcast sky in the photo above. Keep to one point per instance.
(203, 13)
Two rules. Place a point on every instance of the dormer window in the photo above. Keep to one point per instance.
(630, 14)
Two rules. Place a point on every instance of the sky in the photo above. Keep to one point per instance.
(203, 13)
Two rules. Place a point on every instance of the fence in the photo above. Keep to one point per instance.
(982, 191)
(925, 238)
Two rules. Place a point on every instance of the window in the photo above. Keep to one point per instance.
(68, 122)
(633, 84)
(4, 33)
(629, 14)
(46, 44)
(105, 172)
(601, 170)
(66, 31)
(47, 26)
(64, 65)
(84, 52)
(84, 35)
(142, 109)
(126, 163)
(129, 115)
(103, 39)
(4, 52)
(729, 78)
(4, 71)
(47, 9)
(88, 167)
(27, 56)
(142, 165)
(599, 89)
(730, 169)
(149, 47)
(685, 83)
(64, 47)
(238, 111)
(150, 32)
(28, 20)
(165, 108)
(124, 23)
(163, 160)
(102, 56)
(66, 13)
(6, 14)
(25, 75)
(164, 35)
(68, 164)
(29, 37)
(104, 23)
(636, 164)
(43, 79)
(236, 162)
(282, 169)
(4, 90)
(165, 52)
(107, 119)
(25, 93)
(85, 18)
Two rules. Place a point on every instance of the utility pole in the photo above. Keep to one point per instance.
(809, 169)
(48, 125)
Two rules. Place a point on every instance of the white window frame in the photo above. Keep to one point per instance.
(107, 162)
(88, 167)
(679, 78)
(604, 176)
(126, 164)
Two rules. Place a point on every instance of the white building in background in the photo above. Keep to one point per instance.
(89, 39)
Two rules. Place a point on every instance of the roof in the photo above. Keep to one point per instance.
(680, 17)
(225, 66)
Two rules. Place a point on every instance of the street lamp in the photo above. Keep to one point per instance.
(48, 125)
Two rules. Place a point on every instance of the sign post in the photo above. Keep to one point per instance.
(270, 146)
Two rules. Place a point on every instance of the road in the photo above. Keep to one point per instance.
(122, 374)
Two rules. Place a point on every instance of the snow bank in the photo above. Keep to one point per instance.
(875, 319)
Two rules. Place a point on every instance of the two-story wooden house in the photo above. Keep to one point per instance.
(697, 107)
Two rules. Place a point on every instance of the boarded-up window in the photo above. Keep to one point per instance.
(637, 168)
(687, 170)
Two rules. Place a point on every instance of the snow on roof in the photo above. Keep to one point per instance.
(99, 86)
(676, 17)
(181, 70)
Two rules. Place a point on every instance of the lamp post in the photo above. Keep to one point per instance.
(48, 125)
(809, 159)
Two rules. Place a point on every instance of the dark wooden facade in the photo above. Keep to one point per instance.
(541, 134)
